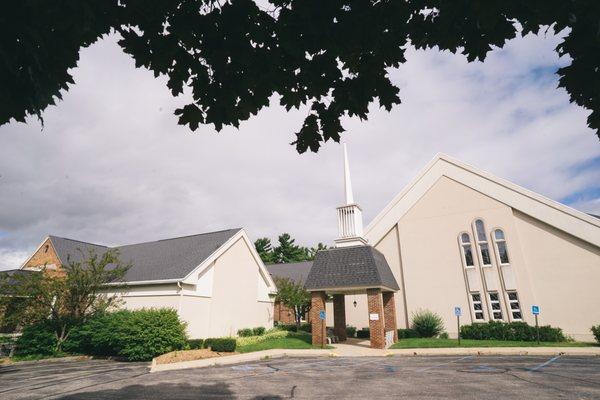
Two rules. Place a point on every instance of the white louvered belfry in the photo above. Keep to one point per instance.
(350, 226)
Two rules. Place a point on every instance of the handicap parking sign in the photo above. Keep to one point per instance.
(535, 310)
(322, 314)
(457, 311)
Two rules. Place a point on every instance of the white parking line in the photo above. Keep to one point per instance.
(543, 365)
(442, 364)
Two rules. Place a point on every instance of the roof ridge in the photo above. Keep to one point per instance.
(177, 237)
(78, 241)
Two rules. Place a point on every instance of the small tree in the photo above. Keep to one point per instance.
(64, 298)
(294, 296)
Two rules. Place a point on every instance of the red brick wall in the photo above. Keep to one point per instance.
(319, 331)
(283, 314)
(375, 302)
(45, 255)
(389, 313)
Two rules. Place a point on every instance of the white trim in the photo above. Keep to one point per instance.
(241, 234)
(38, 249)
(151, 282)
(567, 219)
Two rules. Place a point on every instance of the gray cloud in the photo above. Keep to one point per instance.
(112, 166)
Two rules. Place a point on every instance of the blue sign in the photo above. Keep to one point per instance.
(322, 314)
(535, 310)
(457, 311)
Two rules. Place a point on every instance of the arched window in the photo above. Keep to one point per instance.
(482, 244)
(466, 250)
(501, 248)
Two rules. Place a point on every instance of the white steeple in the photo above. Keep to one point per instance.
(349, 215)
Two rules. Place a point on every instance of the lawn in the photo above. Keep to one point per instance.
(297, 341)
(433, 342)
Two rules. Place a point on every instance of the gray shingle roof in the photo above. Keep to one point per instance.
(161, 259)
(297, 272)
(350, 267)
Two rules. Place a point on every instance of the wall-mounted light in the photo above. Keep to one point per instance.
(355, 303)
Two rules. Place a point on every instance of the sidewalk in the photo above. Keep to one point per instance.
(361, 349)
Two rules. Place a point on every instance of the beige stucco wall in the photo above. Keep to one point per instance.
(235, 293)
(234, 303)
(547, 266)
(565, 273)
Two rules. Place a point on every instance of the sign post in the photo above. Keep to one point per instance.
(535, 310)
(323, 329)
(458, 312)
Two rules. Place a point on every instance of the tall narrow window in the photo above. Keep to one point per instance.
(495, 303)
(515, 307)
(477, 307)
(466, 250)
(500, 241)
(484, 250)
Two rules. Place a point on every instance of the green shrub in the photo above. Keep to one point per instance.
(596, 332)
(258, 331)
(427, 324)
(245, 332)
(350, 331)
(136, 335)
(38, 339)
(288, 327)
(195, 344)
(221, 344)
(363, 333)
(272, 334)
(519, 331)
(407, 333)
(305, 327)
(444, 335)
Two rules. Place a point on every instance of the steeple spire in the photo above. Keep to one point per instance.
(347, 181)
(349, 215)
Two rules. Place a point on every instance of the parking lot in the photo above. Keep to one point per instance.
(483, 377)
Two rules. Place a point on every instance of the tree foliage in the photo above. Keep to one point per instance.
(61, 300)
(286, 251)
(330, 56)
(294, 296)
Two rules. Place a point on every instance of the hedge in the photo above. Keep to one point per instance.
(304, 327)
(407, 333)
(220, 344)
(350, 331)
(195, 344)
(596, 332)
(136, 335)
(259, 330)
(245, 332)
(363, 333)
(519, 331)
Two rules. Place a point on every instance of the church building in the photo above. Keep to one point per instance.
(457, 236)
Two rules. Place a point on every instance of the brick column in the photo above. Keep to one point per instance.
(319, 331)
(339, 316)
(389, 313)
(376, 327)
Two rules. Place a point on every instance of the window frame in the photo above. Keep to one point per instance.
(473, 310)
(510, 309)
(497, 250)
(463, 254)
(479, 242)
(492, 302)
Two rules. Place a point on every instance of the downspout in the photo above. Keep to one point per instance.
(180, 291)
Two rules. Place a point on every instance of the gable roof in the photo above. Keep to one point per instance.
(352, 267)
(296, 272)
(567, 219)
(168, 259)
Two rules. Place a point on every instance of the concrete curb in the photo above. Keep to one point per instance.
(240, 358)
(499, 351)
(472, 351)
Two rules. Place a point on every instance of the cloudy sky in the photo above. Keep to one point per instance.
(112, 166)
